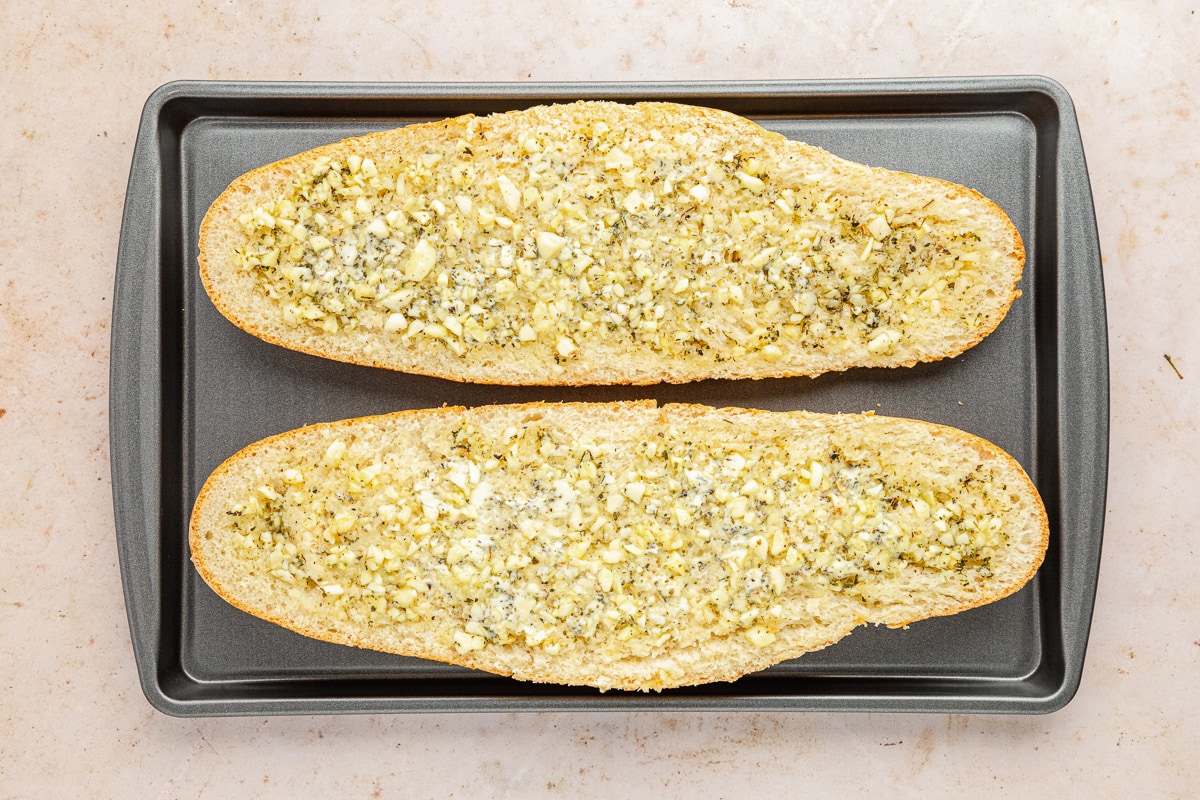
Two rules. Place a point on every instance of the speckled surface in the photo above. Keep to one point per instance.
(72, 717)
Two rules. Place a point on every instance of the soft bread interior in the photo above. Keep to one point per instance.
(596, 243)
(614, 545)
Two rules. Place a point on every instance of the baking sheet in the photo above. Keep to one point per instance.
(189, 389)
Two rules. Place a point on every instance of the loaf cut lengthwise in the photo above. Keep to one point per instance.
(598, 242)
(614, 545)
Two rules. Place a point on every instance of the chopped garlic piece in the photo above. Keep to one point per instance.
(421, 262)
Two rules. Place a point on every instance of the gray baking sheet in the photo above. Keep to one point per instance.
(189, 389)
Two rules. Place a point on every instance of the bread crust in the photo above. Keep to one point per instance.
(235, 294)
(703, 659)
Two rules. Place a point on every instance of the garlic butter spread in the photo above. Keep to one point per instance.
(532, 535)
(587, 235)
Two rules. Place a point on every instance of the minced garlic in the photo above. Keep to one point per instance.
(536, 536)
(599, 237)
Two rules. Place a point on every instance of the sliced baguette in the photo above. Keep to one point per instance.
(605, 243)
(616, 545)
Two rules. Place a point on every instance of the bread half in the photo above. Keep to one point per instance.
(615, 545)
(602, 243)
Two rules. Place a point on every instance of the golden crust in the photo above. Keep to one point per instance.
(705, 662)
(234, 297)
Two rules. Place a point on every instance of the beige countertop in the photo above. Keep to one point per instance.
(73, 721)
